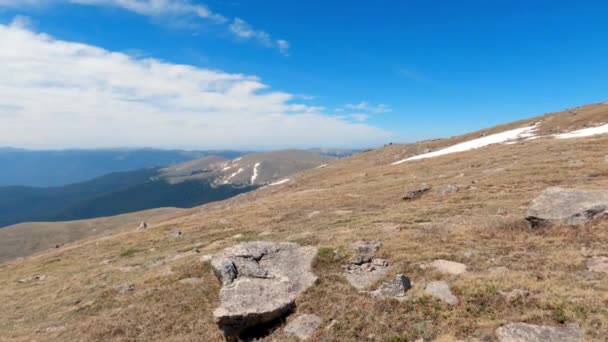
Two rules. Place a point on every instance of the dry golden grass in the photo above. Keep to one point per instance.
(481, 225)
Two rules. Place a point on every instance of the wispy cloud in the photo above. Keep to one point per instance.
(176, 11)
(368, 107)
(243, 30)
(63, 94)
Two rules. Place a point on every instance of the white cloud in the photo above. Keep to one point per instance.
(283, 46)
(366, 106)
(359, 117)
(62, 94)
(176, 10)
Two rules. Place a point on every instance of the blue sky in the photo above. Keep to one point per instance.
(336, 73)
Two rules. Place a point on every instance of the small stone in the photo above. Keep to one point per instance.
(598, 264)
(303, 326)
(265, 233)
(441, 290)
(447, 190)
(447, 267)
(394, 288)
(380, 262)
(521, 332)
(177, 234)
(142, 225)
(206, 258)
(416, 193)
(124, 288)
(105, 262)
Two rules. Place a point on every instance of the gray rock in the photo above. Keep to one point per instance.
(521, 332)
(261, 281)
(395, 288)
(303, 326)
(567, 206)
(447, 190)
(598, 264)
(416, 193)
(441, 290)
(124, 288)
(365, 251)
(142, 225)
(363, 270)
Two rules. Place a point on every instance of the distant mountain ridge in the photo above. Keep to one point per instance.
(191, 183)
(63, 167)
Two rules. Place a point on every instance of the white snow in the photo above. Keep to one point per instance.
(503, 137)
(280, 182)
(321, 166)
(233, 175)
(585, 132)
(255, 172)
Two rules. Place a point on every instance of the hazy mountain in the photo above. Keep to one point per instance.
(184, 185)
(62, 167)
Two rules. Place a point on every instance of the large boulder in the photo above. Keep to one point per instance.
(261, 281)
(521, 332)
(567, 206)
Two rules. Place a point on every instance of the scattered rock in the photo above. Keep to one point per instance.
(395, 288)
(303, 326)
(313, 214)
(265, 233)
(142, 225)
(598, 264)
(124, 288)
(191, 281)
(261, 281)
(363, 270)
(521, 332)
(105, 262)
(177, 234)
(416, 193)
(514, 294)
(567, 206)
(441, 290)
(237, 236)
(447, 190)
(447, 267)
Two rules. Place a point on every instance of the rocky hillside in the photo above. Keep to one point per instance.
(497, 235)
(252, 169)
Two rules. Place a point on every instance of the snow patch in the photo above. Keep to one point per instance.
(280, 182)
(585, 132)
(233, 175)
(321, 166)
(503, 137)
(255, 172)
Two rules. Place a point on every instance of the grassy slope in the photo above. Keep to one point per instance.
(481, 226)
(32, 237)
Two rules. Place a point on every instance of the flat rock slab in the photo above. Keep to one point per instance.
(598, 264)
(261, 281)
(521, 332)
(447, 267)
(395, 288)
(567, 206)
(303, 326)
(441, 290)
